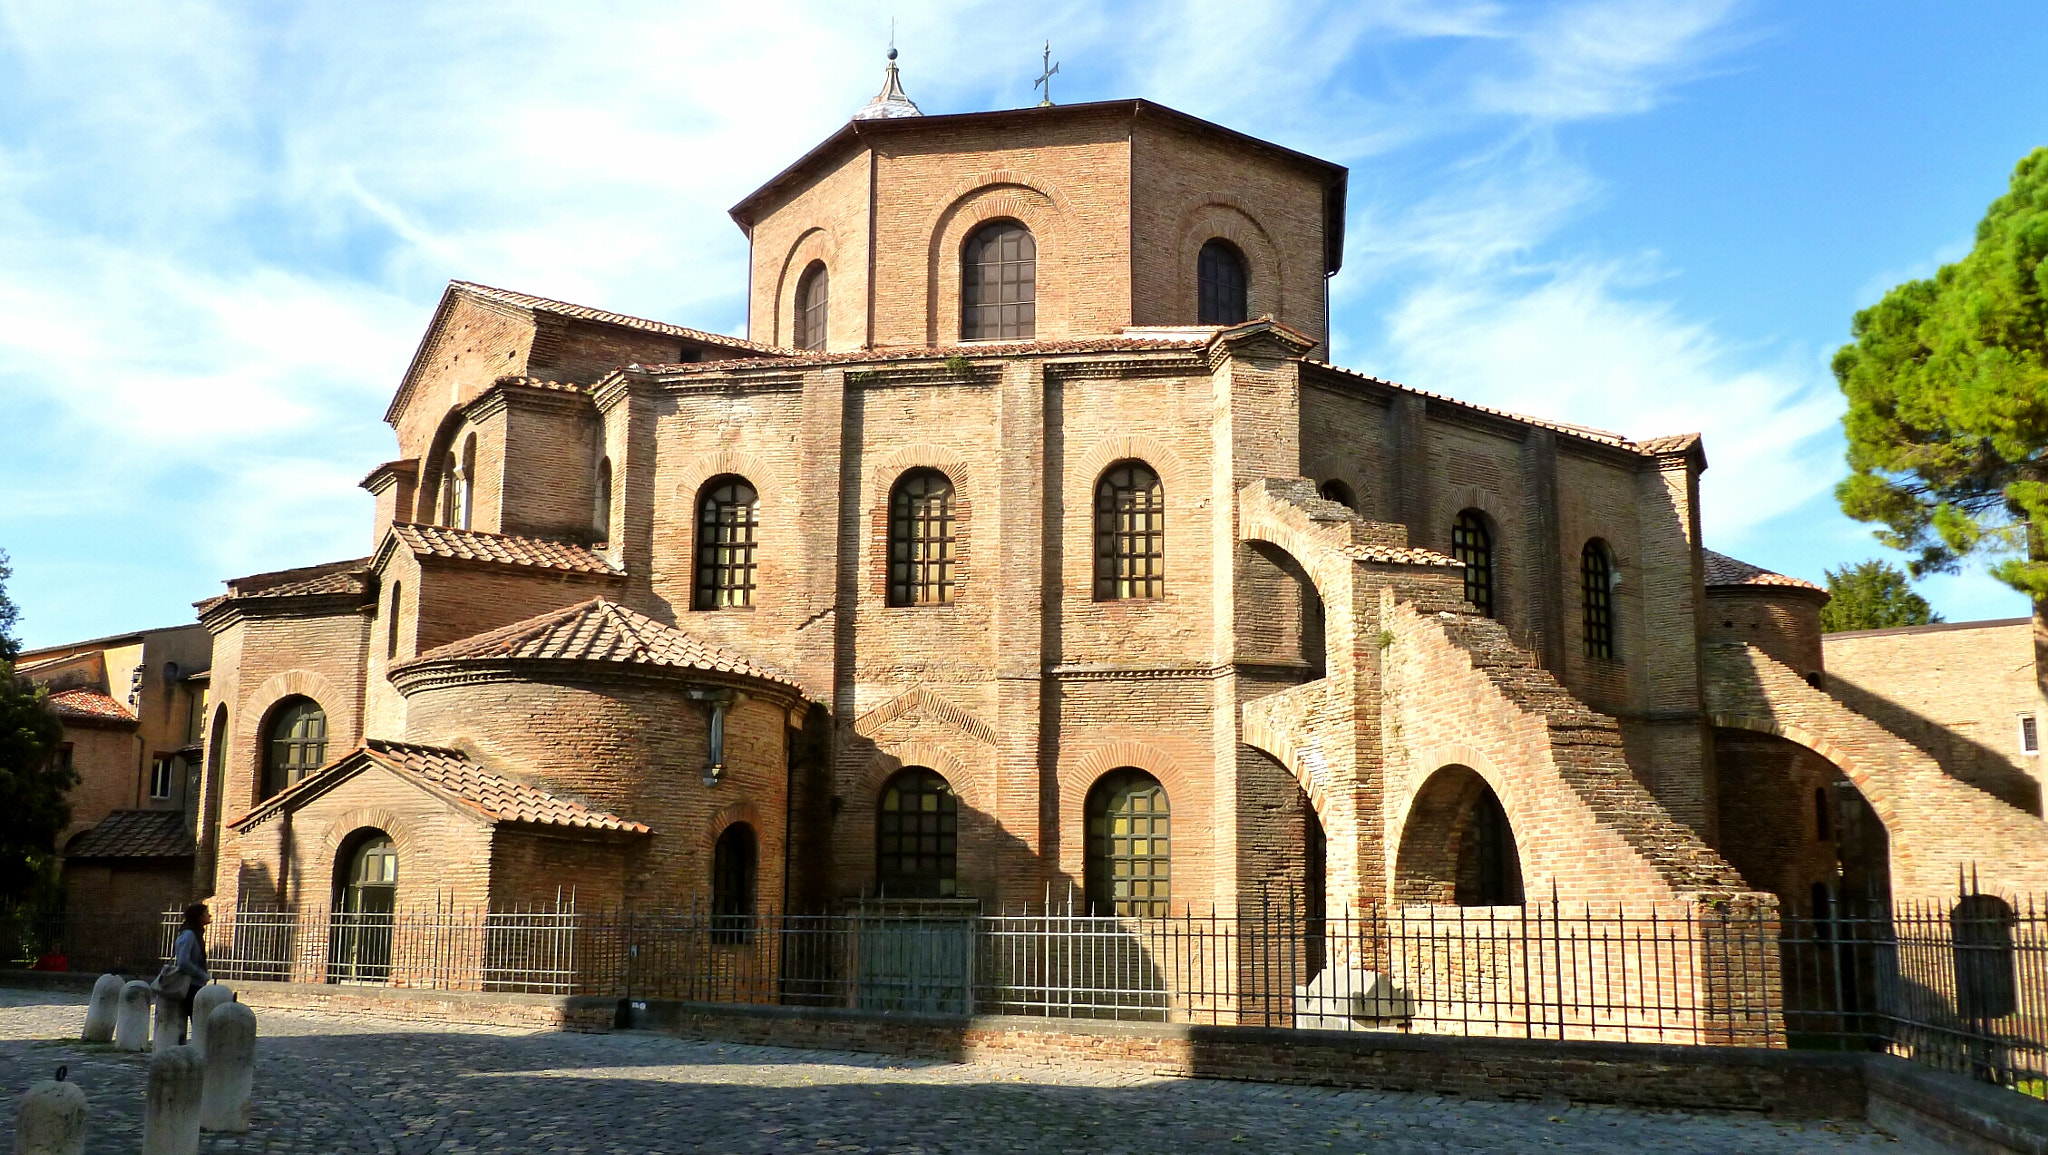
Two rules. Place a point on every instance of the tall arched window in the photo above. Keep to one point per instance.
(601, 504)
(1219, 271)
(728, 517)
(1337, 491)
(465, 485)
(1472, 544)
(294, 744)
(1130, 846)
(810, 307)
(1596, 592)
(917, 837)
(391, 621)
(999, 283)
(922, 548)
(367, 894)
(1130, 533)
(735, 866)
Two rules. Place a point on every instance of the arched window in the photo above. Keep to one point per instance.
(999, 283)
(367, 892)
(1472, 544)
(1130, 533)
(294, 744)
(391, 621)
(1130, 846)
(728, 516)
(1596, 591)
(1337, 491)
(735, 865)
(810, 307)
(601, 505)
(1219, 271)
(465, 485)
(922, 549)
(917, 837)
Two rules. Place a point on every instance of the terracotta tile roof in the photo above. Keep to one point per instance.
(498, 797)
(603, 631)
(134, 834)
(404, 465)
(1723, 570)
(451, 774)
(586, 313)
(1674, 443)
(86, 705)
(1404, 555)
(505, 549)
(334, 577)
(1114, 344)
(543, 383)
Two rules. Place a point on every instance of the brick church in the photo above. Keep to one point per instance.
(1030, 545)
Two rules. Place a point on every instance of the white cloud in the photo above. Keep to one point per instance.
(1606, 58)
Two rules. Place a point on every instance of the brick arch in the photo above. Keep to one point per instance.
(1225, 217)
(1077, 776)
(884, 470)
(1260, 736)
(1873, 791)
(890, 756)
(1429, 847)
(813, 244)
(256, 709)
(694, 472)
(1003, 194)
(434, 462)
(1174, 470)
(726, 816)
(881, 481)
(1505, 555)
(325, 852)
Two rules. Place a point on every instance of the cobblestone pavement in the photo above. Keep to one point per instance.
(329, 1083)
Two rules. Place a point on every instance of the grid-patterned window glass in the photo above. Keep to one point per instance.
(728, 520)
(2030, 735)
(1130, 533)
(917, 837)
(376, 863)
(810, 307)
(999, 283)
(1130, 846)
(735, 862)
(922, 548)
(1219, 271)
(296, 746)
(1472, 544)
(1596, 589)
(160, 775)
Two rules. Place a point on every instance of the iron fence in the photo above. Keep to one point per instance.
(1959, 985)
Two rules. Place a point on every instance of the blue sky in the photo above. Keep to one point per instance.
(223, 227)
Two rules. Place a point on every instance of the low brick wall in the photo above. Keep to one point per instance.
(541, 1012)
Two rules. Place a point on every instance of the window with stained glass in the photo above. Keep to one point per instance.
(922, 546)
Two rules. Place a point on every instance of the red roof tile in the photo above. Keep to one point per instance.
(1723, 570)
(134, 834)
(505, 549)
(334, 577)
(603, 631)
(84, 705)
(586, 313)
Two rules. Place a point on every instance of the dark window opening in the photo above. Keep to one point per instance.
(1472, 544)
(728, 519)
(922, 546)
(391, 626)
(735, 865)
(917, 837)
(1489, 871)
(999, 284)
(1130, 534)
(1220, 275)
(1596, 582)
(810, 307)
(1337, 491)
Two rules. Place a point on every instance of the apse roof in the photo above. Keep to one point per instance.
(1724, 571)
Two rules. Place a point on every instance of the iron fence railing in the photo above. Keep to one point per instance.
(1959, 985)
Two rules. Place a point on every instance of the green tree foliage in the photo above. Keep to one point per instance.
(1872, 595)
(33, 786)
(10, 647)
(1948, 401)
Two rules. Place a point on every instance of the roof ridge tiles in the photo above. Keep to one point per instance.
(605, 316)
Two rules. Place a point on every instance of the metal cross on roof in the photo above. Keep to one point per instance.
(1045, 77)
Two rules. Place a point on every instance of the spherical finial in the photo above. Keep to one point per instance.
(892, 54)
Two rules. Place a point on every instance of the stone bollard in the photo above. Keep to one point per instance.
(170, 1015)
(51, 1119)
(210, 997)
(101, 1012)
(230, 1068)
(170, 1117)
(131, 1027)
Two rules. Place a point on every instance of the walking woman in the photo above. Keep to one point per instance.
(187, 967)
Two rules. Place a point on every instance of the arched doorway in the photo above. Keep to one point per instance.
(365, 899)
(1457, 847)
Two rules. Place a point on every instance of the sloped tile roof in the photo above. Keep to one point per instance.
(1674, 443)
(1116, 344)
(135, 834)
(335, 577)
(87, 705)
(498, 797)
(586, 313)
(506, 549)
(1723, 570)
(600, 630)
